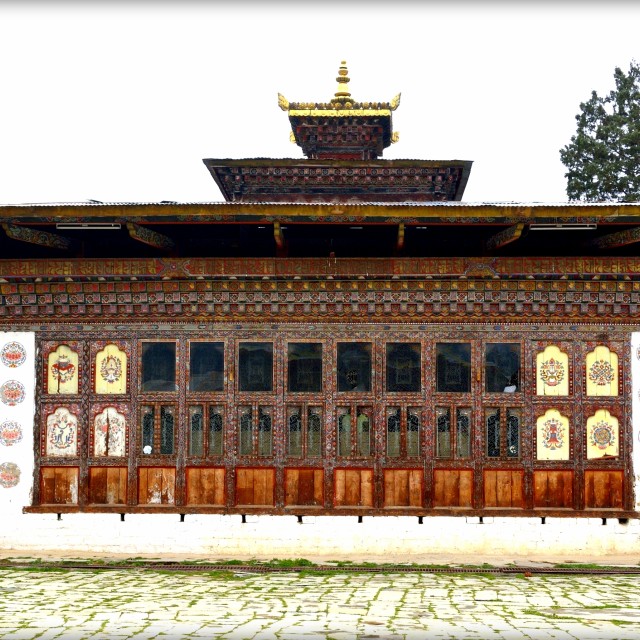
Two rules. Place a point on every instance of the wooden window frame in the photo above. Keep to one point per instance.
(355, 410)
(207, 410)
(156, 450)
(405, 410)
(256, 409)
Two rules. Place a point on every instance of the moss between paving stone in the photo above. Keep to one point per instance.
(307, 566)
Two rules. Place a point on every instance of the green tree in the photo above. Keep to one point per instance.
(603, 157)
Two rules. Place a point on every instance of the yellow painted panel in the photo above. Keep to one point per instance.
(111, 370)
(602, 435)
(62, 371)
(552, 372)
(602, 372)
(552, 436)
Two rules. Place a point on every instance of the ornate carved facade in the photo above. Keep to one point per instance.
(350, 355)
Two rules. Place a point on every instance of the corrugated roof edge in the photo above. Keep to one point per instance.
(452, 203)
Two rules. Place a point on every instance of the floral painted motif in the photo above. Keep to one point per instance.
(10, 433)
(111, 369)
(12, 393)
(110, 428)
(552, 372)
(62, 431)
(13, 354)
(9, 474)
(553, 434)
(601, 373)
(602, 435)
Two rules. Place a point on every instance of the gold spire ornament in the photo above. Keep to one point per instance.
(342, 94)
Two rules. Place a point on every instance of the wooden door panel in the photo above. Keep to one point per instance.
(108, 485)
(504, 488)
(156, 485)
(603, 489)
(553, 489)
(453, 488)
(353, 487)
(59, 485)
(205, 485)
(403, 487)
(255, 487)
(304, 487)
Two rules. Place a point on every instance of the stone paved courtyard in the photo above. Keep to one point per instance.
(234, 604)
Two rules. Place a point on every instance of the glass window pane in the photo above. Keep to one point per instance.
(148, 419)
(363, 442)
(167, 430)
(216, 421)
(206, 366)
(413, 432)
(344, 432)
(502, 368)
(305, 366)
(463, 433)
(393, 432)
(265, 432)
(314, 432)
(513, 433)
(196, 436)
(159, 366)
(294, 425)
(403, 367)
(256, 366)
(453, 367)
(443, 432)
(354, 366)
(246, 432)
(492, 422)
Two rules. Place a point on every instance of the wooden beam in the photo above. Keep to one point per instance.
(43, 238)
(504, 237)
(147, 236)
(278, 235)
(400, 240)
(617, 239)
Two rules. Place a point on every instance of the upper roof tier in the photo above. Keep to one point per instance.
(343, 140)
(343, 128)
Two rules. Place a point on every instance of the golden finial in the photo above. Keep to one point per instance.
(342, 95)
(395, 103)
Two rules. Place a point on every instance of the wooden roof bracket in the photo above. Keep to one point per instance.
(33, 236)
(278, 235)
(400, 238)
(617, 239)
(147, 236)
(504, 237)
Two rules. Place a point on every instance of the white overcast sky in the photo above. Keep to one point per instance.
(120, 101)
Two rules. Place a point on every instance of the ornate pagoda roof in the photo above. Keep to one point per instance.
(342, 140)
(343, 128)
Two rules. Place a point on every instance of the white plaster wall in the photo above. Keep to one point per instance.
(12, 499)
(382, 539)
